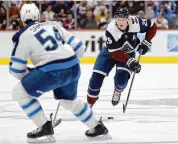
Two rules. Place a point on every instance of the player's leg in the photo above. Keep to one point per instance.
(121, 79)
(68, 99)
(25, 93)
(33, 85)
(103, 65)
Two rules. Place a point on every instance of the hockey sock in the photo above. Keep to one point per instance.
(82, 111)
(30, 105)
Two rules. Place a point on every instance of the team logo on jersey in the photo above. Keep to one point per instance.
(173, 42)
(127, 47)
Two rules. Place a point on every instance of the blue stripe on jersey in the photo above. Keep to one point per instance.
(17, 35)
(16, 70)
(35, 111)
(82, 111)
(88, 117)
(14, 59)
(70, 40)
(78, 46)
(29, 104)
(60, 65)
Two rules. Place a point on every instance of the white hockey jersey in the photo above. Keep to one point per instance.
(48, 45)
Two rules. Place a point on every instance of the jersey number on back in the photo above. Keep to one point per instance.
(53, 40)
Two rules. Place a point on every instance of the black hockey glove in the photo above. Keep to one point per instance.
(134, 65)
(144, 46)
(30, 69)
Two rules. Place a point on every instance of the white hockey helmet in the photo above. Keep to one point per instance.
(29, 12)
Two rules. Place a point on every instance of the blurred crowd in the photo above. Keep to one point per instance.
(91, 14)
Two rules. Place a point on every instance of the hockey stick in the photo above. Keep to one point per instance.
(56, 122)
(125, 105)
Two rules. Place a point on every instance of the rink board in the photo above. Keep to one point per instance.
(164, 46)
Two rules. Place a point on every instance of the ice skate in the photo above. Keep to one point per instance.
(99, 130)
(43, 134)
(116, 97)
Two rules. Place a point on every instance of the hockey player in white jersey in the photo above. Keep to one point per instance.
(53, 52)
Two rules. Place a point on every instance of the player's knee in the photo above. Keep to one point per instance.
(96, 80)
(18, 92)
(69, 104)
(95, 84)
(121, 79)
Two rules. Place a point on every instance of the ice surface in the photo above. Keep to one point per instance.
(151, 117)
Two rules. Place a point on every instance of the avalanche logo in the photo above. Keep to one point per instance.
(127, 48)
(173, 42)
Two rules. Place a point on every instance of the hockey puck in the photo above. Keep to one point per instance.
(110, 118)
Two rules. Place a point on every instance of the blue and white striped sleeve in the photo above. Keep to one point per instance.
(18, 61)
(77, 44)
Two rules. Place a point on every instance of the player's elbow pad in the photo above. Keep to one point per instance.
(17, 75)
(151, 32)
(80, 52)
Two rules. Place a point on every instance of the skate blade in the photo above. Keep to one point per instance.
(101, 137)
(44, 139)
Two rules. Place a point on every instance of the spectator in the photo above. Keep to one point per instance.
(141, 14)
(100, 7)
(45, 5)
(69, 23)
(161, 22)
(149, 14)
(135, 6)
(59, 6)
(14, 11)
(48, 14)
(89, 21)
(165, 11)
(14, 24)
(70, 5)
(101, 18)
(81, 11)
(60, 16)
(3, 21)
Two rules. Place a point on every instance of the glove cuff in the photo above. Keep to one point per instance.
(130, 60)
(147, 43)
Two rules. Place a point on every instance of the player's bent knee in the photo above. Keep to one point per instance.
(69, 104)
(121, 78)
(95, 84)
(96, 80)
(72, 105)
(18, 92)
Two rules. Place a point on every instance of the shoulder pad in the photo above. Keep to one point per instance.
(134, 25)
(15, 37)
(19, 33)
(114, 31)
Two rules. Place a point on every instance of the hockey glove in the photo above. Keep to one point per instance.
(30, 69)
(134, 65)
(144, 46)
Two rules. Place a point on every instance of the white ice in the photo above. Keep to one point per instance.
(151, 117)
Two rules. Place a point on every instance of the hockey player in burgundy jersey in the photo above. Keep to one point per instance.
(119, 51)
